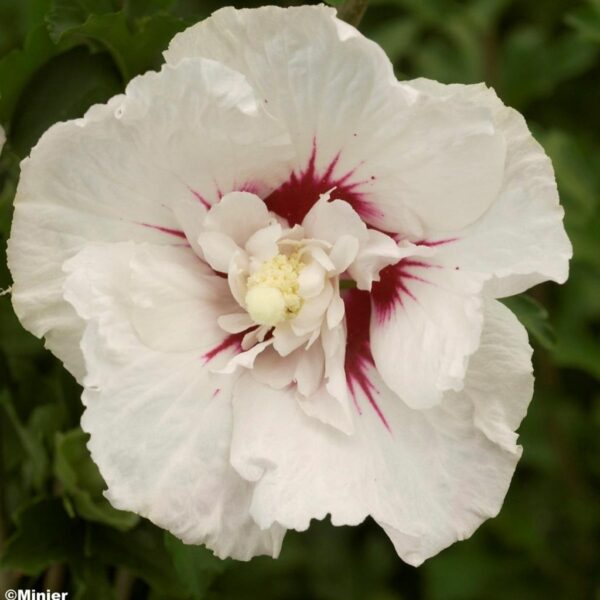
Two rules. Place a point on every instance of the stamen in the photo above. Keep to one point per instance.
(272, 294)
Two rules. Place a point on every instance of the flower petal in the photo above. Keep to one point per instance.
(218, 250)
(159, 422)
(430, 480)
(426, 322)
(404, 161)
(194, 128)
(521, 240)
(237, 215)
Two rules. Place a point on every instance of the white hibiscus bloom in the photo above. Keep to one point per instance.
(275, 269)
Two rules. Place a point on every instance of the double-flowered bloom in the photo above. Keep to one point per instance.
(275, 270)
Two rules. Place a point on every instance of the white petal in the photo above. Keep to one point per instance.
(194, 128)
(404, 161)
(312, 312)
(377, 252)
(311, 280)
(450, 166)
(344, 253)
(426, 322)
(218, 249)
(328, 220)
(335, 311)
(235, 322)
(274, 370)
(238, 215)
(262, 245)
(286, 340)
(291, 57)
(521, 240)
(310, 369)
(159, 422)
(189, 214)
(429, 480)
(244, 359)
(176, 303)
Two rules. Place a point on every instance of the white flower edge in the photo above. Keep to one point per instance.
(121, 172)
(430, 480)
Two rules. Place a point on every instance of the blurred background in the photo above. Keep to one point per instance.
(57, 58)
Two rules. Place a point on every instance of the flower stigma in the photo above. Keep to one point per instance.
(272, 294)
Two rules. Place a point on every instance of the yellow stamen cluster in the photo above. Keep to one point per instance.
(273, 290)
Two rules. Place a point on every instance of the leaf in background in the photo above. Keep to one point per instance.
(196, 566)
(134, 9)
(534, 317)
(533, 63)
(83, 484)
(17, 18)
(577, 319)
(36, 468)
(45, 535)
(142, 551)
(91, 581)
(19, 66)
(135, 46)
(586, 20)
(69, 14)
(62, 89)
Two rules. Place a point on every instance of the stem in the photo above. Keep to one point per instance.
(352, 11)
(54, 578)
(124, 582)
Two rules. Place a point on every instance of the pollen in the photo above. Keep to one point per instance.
(272, 294)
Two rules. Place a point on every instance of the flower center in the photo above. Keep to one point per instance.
(273, 290)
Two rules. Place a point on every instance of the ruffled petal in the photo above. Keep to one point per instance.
(238, 215)
(426, 322)
(160, 422)
(405, 162)
(194, 132)
(429, 480)
(521, 240)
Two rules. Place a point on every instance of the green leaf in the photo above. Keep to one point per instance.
(534, 317)
(534, 63)
(83, 484)
(134, 9)
(91, 581)
(19, 66)
(36, 469)
(578, 342)
(45, 535)
(586, 20)
(196, 566)
(135, 46)
(142, 551)
(64, 88)
(69, 14)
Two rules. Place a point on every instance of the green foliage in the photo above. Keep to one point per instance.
(57, 58)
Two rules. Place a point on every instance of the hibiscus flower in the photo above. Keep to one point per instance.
(275, 271)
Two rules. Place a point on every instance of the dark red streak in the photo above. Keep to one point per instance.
(176, 232)
(233, 340)
(294, 198)
(358, 349)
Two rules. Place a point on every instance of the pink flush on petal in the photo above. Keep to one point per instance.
(295, 197)
(359, 359)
